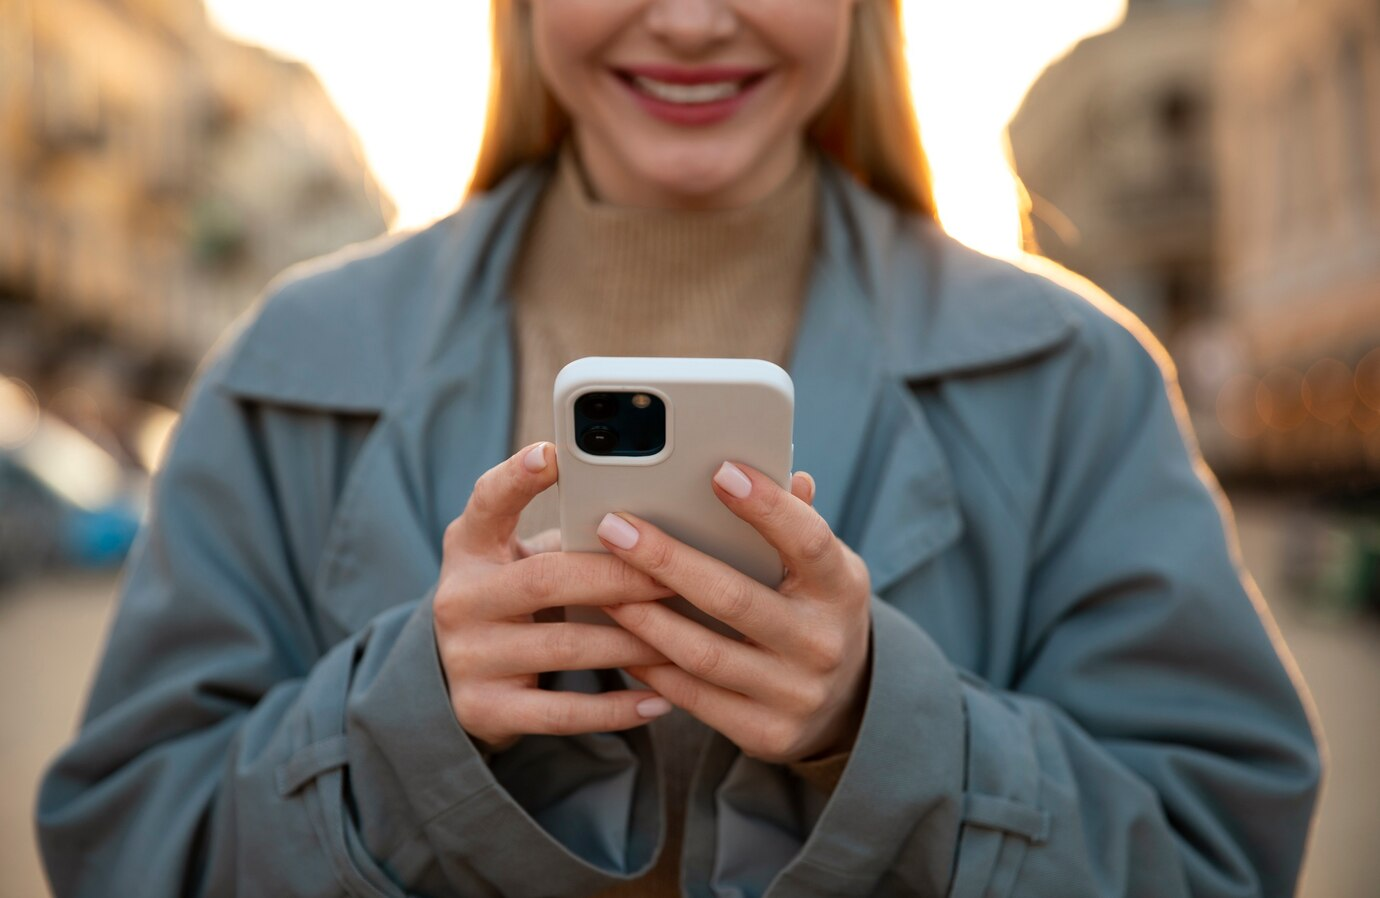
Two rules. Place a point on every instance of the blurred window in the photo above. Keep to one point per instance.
(1180, 113)
(1298, 169)
(1356, 114)
(70, 106)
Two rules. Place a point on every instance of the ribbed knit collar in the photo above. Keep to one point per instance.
(636, 264)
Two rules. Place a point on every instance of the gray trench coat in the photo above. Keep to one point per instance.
(1072, 688)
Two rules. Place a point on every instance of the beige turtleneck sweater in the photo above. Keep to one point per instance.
(597, 279)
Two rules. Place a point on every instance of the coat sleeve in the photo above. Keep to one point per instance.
(225, 750)
(1152, 742)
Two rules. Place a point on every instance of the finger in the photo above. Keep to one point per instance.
(547, 713)
(555, 579)
(548, 540)
(803, 487)
(722, 709)
(528, 648)
(807, 545)
(696, 649)
(500, 494)
(758, 612)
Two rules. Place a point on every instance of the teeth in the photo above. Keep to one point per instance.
(688, 93)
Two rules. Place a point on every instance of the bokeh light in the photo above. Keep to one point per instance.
(19, 412)
(1329, 391)
(1280, 399)
(1368, 379)
(1237, 410)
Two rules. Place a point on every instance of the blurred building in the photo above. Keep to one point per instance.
(1113, 144)
(154, 175)
(1215, 166)
(1299, 156)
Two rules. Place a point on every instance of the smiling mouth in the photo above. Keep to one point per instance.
(688, 94)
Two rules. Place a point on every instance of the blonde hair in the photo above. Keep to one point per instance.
(868, 126)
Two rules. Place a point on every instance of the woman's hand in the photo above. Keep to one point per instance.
(795, 689)
(490, 585)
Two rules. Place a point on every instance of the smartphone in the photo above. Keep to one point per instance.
(645, 435)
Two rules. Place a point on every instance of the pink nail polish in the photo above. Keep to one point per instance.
(733, 480)
(618, 531)
(535, 459)
(653, 707)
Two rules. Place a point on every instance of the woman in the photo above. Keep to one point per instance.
(1014, 656)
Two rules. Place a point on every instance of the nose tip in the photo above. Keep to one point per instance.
(691, 24)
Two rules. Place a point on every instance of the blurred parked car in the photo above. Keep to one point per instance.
(64, 501)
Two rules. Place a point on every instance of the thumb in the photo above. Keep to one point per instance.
(487, 525)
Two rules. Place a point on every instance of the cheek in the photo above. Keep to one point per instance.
(567, 36)
(812, 37)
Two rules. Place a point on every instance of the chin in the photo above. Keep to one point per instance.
(688, 174)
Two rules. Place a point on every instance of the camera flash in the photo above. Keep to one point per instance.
(641, 400)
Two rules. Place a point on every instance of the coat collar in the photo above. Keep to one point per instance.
(344, 331)
(893, 302)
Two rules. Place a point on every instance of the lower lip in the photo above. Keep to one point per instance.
(692, 113)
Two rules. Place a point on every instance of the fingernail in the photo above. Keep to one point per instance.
(733, 480)
(618, 531)
(535, 459)
(653, 707)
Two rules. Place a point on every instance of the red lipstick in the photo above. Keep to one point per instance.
(690, 112)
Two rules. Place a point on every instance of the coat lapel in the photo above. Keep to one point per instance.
(448, 424)
(882, 481)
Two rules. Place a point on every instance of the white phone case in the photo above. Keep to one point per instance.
(717, 410)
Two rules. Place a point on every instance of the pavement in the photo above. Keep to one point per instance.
(51, 631)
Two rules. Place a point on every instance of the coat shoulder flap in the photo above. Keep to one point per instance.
(336, 332)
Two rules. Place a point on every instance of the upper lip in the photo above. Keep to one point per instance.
(672, 74)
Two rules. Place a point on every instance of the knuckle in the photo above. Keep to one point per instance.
(772, 506)
(558, 718)
(443, 611)
(481, 501)
(450, 539)
(826, 649)
(776, 740)
(458, 657)
(688, 695)
(659, 556)
(541, 580)
(708, 659)
(558, 647)
(448, 607)
(628, 580)
(736, 596)
(635, 614)
(862, 577)
(611, 717)
(817, 542)
(469, 706)
(809, 696)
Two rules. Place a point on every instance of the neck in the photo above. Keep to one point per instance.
(609, 181)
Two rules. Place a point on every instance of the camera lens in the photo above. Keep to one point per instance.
(598, 406)
(599, 440)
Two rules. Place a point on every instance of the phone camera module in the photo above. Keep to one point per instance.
(599, 440)
(598, 406)
(619, 423)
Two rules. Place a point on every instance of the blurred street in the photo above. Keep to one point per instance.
(1214, 166)
(51, 630)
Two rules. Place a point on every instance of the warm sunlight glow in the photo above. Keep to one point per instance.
(971, 64)
(412, 76)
